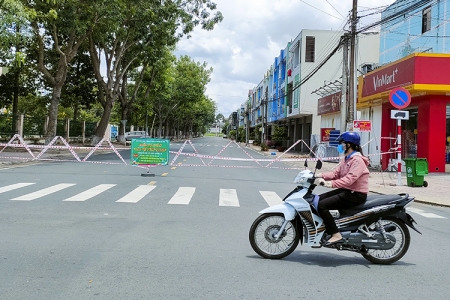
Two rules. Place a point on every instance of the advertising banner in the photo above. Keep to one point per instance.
(362, 126)
(329, 104)
(325, 134)
(150, 151)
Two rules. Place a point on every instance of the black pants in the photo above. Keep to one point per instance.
(335, 200)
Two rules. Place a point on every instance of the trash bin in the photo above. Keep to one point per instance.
(416, 169)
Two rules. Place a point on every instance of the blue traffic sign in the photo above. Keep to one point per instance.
(400, 98)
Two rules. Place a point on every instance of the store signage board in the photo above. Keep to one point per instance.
(150, 151)
(325, 134)
(334, 134)
(400, 97)
(362, 125)
(400, 114)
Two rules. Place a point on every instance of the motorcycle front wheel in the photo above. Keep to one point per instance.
(262, 236)
(399, 230)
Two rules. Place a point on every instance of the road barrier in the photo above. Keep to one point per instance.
(17, 142)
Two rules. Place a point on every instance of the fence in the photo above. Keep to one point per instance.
(33, 128)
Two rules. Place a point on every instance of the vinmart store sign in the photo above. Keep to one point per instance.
(419, 73)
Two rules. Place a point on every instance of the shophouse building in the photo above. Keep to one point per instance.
(287, 95)
(415, 55)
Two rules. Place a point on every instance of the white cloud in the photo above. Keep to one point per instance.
(243, 46)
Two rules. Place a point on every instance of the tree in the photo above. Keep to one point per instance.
(80, 89)
(220, 118)
(189, 86)
(13, 18)
(58, 29)
(154, 79)
(123, 27)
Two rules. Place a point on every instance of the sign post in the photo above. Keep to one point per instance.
(362, 125)
(399, 98)
(149, 152)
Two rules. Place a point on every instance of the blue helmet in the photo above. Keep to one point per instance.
(349, 137)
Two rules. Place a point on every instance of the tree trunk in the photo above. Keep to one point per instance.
(122, 129)
(50, 132)
(103, 124)
(160, 126)
(167, 130)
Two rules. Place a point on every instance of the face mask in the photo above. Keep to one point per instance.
(340, 148)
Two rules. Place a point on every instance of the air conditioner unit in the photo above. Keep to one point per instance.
(367, 67)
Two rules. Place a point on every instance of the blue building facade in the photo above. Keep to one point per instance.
(277, 82)
(423, 29)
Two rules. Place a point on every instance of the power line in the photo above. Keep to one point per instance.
(394, 16)
(320, 10)
(335, 9)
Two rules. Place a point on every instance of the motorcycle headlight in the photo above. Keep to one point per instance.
(303, 176)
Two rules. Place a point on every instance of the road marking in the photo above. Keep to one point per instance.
(14, 187)
(44, 192)
(173, 168)
(152, 183)
(164, 174)
(91, 192)
(182, 196)
(228, 197)
(271, 198)
(137, 194)
(424, 214)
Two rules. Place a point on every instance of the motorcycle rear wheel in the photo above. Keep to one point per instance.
(403, 239)
(262, 239)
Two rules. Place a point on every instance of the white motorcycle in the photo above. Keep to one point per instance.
(376, 229)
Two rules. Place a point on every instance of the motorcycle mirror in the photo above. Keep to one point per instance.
(319, 165)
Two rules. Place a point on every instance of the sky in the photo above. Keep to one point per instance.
(244, 45)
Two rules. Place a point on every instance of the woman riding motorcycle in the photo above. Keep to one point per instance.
(351, 180)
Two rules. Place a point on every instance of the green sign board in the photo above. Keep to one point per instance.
(150, 151)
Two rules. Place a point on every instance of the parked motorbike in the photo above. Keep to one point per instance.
(377, 229)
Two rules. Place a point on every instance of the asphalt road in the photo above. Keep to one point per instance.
(59, 246)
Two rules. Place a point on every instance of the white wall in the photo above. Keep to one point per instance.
(371, 141)
(331, 121)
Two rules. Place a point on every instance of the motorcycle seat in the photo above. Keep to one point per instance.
(375, 200)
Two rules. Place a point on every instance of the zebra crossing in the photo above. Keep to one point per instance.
(183, 196)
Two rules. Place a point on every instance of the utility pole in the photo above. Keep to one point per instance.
(344, 84)
(262, 121)
(352, 79)
(266, 114)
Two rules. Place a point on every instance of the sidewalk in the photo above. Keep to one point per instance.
(437, 192)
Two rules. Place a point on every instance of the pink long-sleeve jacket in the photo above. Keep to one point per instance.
(352, 174)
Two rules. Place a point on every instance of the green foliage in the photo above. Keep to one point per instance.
(240, 134)
(264, 147)
(220, 118)
(47, 36)
(33, 105)
(256, 134)
(80, 90)
(279, 134)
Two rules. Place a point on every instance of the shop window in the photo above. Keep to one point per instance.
(310, 49)
(289, 97)
(426, 19)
